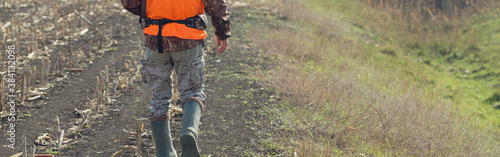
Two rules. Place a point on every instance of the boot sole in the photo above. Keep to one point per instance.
(189, 146)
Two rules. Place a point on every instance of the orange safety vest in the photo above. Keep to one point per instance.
(175, 10)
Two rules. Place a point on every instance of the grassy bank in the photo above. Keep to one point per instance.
(353, 90)
(463, 51)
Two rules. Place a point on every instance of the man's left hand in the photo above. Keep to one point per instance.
(222, 44)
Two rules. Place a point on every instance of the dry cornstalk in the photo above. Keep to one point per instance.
(61, 30)
(36, 8)
(23, 86)
(136, 61)
(28, 80)
(56, 68)
(47, 71)
(33, 78)
(2, 47)
(115, 79)
(98, 95)
(36, 37)
(139, 153)
(60, 65)
(2, 97)
(25, 149)
(60, 139)
(43, 34)
(103, 95)
(82, 123)
(61, 132)
(107, 78)
(63, 60)
(84, 4)
(70, 62)
(100, 42)
(130, 68)
(18, 37)
(33, 151)
(132, 57)
(32, 38)
(42, 75)
(90, 23)
(58, 124)
(140, 129)
(126, 63)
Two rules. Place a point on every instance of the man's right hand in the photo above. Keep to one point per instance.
(222, 44)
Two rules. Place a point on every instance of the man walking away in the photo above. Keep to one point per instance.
(174, 33)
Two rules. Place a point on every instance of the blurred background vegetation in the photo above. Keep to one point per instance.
(383, 77)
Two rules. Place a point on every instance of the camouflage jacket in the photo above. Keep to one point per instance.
(215, 8)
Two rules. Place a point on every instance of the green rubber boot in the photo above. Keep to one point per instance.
(189, 132)
(163, 139)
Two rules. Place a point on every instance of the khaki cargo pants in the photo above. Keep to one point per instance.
(157, 72)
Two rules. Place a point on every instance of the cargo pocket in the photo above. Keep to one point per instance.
(198, 73)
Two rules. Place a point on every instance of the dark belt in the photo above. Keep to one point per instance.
(189, 22)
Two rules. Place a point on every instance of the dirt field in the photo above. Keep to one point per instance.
(228, 125)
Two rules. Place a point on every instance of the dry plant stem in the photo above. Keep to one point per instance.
(2, 97)
(132, 57)
(33, 151)
(60, 139)
(137, 62)
(25, 148)
(36, 8)
(33, 78)
(28, 80)
(30, 39)
(60, 65)
(61, 132)
(90, 23)
(115, 79)
(23, 86)
(126, 63)
(18, 84)
(138, 151)
(42, 75)
(84, 5)
(35, 38)
(100, 41)
(56, 68)
(43, 35)
(82, 123)
(140, 126)
(2, 47)
(91, 46)
(18, 37)
(47, 72)
(70, 62)
(107, 79)
(103, 95)
(98, 95)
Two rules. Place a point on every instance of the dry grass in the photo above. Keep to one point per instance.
(342, 104)
(433, 10)
(425, 21)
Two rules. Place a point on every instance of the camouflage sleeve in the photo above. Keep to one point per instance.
(220, 17)
(133, 6)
